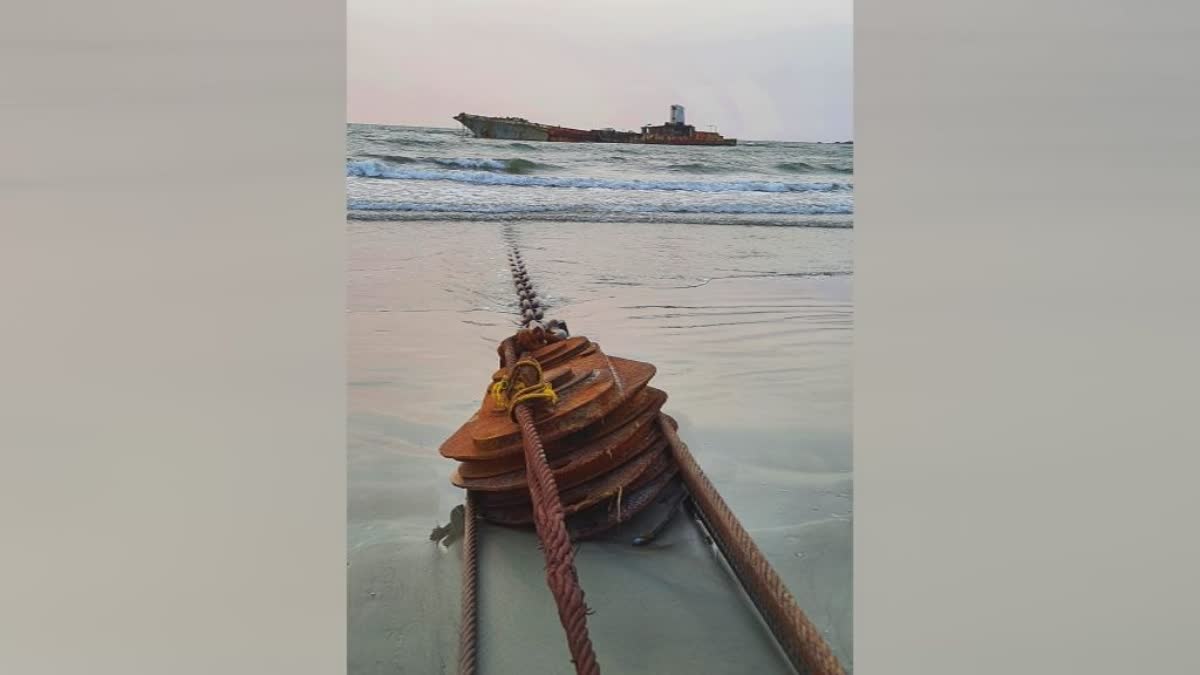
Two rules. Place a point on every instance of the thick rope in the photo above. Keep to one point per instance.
(468, 643)
(799, 638)
(549, 520)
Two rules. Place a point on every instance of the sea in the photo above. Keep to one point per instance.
(728, 268)
(406, 173)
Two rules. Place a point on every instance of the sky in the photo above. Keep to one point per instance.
(754, 69)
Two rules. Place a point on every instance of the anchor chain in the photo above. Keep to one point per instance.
(531, 308)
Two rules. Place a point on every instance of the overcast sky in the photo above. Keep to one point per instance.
(757, 69)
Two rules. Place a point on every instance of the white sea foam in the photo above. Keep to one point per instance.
(473, 163)
(377, 169)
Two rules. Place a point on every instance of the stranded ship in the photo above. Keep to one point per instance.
(674, 132)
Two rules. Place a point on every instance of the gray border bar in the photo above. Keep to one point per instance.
(172, 426)
(1026, 331)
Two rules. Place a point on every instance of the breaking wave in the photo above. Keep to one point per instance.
(517, 165)
(376, 169)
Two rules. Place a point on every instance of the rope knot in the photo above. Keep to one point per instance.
(523, 383)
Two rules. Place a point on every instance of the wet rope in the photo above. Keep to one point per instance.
(806, 649)
(560, 556)
(468, 642)
(550, 522)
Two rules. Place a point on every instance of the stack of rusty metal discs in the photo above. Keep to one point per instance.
(601, 437)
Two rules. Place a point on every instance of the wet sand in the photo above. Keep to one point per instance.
(756, 363)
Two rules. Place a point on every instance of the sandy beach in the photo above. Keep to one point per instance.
(750, 328)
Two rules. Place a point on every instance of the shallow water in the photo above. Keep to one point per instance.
(750, 329)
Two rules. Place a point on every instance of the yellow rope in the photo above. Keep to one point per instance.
(498, 396)
(521, 392)
(539, 390)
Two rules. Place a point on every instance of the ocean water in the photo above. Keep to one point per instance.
(406, 173)
(746, 314)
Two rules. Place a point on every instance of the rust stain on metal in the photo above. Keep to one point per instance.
(580, 460)
(628, 476)
(648, 399)
(491, 433)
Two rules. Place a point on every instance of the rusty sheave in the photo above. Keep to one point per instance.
(602, 440)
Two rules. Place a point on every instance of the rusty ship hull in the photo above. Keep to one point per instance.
(520, 129)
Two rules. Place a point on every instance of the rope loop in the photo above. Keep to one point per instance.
(499, 397)
(523, 383)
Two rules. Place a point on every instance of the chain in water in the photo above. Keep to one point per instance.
(531, 308)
